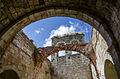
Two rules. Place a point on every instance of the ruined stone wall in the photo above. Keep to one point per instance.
(70, 66)
(44, 72)
(68, 38)
(104, 15)
(77, 67)
(100, 48)
(18, 57)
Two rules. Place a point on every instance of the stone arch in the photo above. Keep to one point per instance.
(9, 74)
(35, 16)
(101, 14)
(82, 48)
(109, 70)
(9, 34)
(59, 7)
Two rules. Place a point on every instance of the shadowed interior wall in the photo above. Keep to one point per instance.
(109, 69)
(101, 52)
(104, 15)
(9, 74)
(18, 57)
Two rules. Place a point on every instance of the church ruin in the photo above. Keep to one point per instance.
(20, 59)
(28, 62)
(70, 66)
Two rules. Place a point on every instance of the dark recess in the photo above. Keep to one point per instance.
(41, 2)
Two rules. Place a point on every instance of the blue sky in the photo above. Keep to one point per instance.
(41, 31)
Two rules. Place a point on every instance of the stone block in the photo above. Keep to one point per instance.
(96, 24)
(32, 18)
(50, 12)
(115, 57)
(12, 10)
(5, 21)
(1, 5)
(15, 15)
(37, 16)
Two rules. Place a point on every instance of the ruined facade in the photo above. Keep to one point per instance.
(77, 66)
(70, 66)
(63, 40)
(18, 61)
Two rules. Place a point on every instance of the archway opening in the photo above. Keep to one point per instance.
(86, 21)
(42, 31)
(9, 74)
(65, 30)
(109, 69)
(102, 14)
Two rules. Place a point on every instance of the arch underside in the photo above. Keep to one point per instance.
(17, 14)
(83, 48)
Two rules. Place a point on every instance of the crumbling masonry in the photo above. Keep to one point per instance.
(23, 60)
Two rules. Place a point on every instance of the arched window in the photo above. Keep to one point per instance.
(109, 69)
(74, 42)
(60, 44)
(9, 74)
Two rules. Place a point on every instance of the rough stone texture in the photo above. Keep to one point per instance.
(76, 67)
(44, 52)
(18, 57)
(104, 15)
(70, 66)
(43, 72)
(100, 48)
(66, 39)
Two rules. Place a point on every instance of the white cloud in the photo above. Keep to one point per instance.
(63, 30)
(66, 30)
(42, 29)
(71, 22)
(59, 32)
(37, 31)
(48, 42)
(86, 30)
